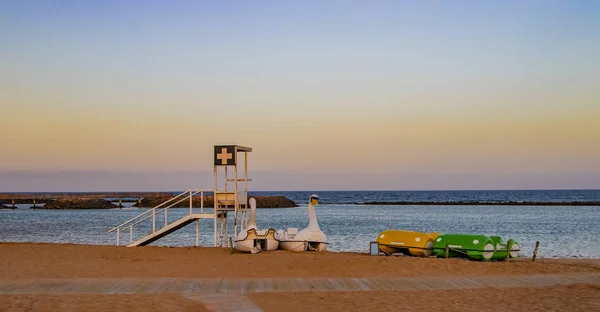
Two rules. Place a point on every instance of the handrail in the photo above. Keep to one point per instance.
(152, 211)
(163, 209)
(146, 212)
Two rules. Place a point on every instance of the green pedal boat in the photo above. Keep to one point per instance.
(501, 248)
(474, 247)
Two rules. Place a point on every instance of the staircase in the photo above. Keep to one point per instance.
(172, 227)
(157, 233)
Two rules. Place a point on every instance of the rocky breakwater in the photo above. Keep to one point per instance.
(21, 201)
(79, 203)
(484, 203)
(261, 202)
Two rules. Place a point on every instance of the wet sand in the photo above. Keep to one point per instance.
(30, 261)
(33, 260)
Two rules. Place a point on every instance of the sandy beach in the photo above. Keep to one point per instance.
(31, 262)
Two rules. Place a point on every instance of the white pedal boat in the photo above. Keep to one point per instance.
(310, 238)
(255, 240)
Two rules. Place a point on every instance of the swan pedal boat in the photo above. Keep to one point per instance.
(417, 244)
(310, 238)
(255, 240)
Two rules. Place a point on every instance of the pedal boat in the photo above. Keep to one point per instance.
(471, 246)
(417, 244)
(310, 238)
(255, 240)
(501, 248)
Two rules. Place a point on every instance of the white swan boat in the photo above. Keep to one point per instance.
(253, 239)
(310, 238)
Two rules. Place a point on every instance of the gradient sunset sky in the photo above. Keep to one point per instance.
(331, 95)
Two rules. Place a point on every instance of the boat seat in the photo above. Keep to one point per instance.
(291, 233)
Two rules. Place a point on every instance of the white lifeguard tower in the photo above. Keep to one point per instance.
(230, 198)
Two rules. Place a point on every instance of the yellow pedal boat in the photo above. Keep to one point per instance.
(418, 244)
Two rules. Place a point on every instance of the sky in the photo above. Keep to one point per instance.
(331, 95)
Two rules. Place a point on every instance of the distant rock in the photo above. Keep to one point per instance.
(79, 203)
(261, 202)
(7, 197)
(273, 202)
(484, 203)
(5, 207)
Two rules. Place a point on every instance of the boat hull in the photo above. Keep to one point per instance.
(417, 244)
(301, 246)
(502, 248)
(475, 247)
(257, 241)
(471, 246)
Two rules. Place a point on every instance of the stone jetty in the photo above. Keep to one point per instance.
(261, 202)
(79, 203)
(21, 201)
(102, 200)
(40, 197)
(483, 203)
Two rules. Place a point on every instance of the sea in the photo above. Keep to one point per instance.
(563, 231)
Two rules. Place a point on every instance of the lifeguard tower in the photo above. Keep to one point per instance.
(231, 198)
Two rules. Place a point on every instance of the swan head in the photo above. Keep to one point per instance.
(314, 199)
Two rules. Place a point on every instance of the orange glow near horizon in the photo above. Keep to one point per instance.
(335, 143)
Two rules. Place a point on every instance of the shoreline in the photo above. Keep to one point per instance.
(65, 252)
(521, 257)
(364, 253)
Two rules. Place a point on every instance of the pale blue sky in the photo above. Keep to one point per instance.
(468, 89)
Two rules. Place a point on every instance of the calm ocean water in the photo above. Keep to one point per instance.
(563, 231)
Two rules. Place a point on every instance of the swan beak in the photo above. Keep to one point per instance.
(314, 201)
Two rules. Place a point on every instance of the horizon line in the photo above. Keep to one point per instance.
(314, 190)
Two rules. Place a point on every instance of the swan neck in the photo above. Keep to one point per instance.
(252, 223)
(312, 217)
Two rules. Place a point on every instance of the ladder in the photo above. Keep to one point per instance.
(160, 230)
